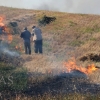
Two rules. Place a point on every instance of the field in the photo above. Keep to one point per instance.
(63, 71)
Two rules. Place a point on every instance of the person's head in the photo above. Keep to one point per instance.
(25, 28)
(33, 26)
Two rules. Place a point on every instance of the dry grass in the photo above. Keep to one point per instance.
(70, 35)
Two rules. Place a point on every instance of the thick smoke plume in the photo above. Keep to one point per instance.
(72, 6)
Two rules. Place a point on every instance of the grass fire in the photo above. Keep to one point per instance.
(1, 23)
(71, 65)
(5, 31)
(52, 75)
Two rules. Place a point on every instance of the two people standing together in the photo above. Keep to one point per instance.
(37, 39)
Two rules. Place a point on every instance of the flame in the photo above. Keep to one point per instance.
(7, 31)
(16, 47)
(91, 68)
(1, 23)
(19, 47)
(9, 35)
(71, 65)
(1, 19)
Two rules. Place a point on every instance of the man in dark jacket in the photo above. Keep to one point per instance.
(37, 39)
(26, 35)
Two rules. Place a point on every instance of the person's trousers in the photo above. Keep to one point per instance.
(38, 46)
(27, 47)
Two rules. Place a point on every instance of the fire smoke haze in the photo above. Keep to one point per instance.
(70, 6)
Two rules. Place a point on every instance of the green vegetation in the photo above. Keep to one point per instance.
(20, 79)
(12, 78)
(71, 23)
(76, 43)
(90, 29)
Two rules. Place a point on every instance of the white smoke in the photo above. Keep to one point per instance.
(87, 7)
(10, 53)
(60, 5)
(4, 49)
(72, 6)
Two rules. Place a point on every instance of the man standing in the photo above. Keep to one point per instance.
(26, 35)
(37, 39)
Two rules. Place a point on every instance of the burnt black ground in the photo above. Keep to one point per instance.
(64, 83)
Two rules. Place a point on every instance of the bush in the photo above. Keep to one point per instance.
(46, 20)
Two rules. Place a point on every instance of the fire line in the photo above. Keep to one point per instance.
(4, 29)
(71, 65)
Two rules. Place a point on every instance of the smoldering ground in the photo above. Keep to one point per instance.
(8, 56)
(4, 49)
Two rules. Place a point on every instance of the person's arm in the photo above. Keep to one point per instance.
(32, 33)
(21, 35)
(0, 31)
(29, 34)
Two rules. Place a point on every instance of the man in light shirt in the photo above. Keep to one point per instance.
(37, 39)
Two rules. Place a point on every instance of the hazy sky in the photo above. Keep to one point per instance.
(72, 6)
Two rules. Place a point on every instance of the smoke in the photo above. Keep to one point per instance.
(11, 3)
(72, 6)
(10, 53)
(60, 5)
(4, 49)
(87, 7)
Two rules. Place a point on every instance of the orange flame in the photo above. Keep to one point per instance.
(6, 30)
(19, 47)
(71, 65)
(9, 35)
(1, 23)
(16, 47)
(91, 68)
